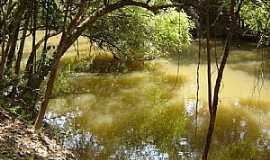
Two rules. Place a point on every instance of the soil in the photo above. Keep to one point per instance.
(19, 141)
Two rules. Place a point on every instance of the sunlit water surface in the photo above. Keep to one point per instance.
(150, 114)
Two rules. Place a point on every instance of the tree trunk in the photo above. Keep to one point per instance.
(31, 60)
(11, 53)
(62, 48)
(3, 56)
(14, 32)
(20, 52)
(72, 32)
(209, 136)
(209, 82)
(209, 70)
(214, 105)
(5, 50)
(50, 84)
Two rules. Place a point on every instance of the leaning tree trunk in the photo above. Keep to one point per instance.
(50, 84)
(72, 32)
(65, 43)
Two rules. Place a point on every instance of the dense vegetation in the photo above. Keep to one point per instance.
(36, 35)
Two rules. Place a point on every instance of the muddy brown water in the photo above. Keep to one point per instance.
(150, 114)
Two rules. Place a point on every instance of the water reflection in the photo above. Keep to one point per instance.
(150, 115)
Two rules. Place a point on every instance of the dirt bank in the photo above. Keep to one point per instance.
(19, 141)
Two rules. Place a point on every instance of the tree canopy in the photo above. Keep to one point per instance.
(129, 29)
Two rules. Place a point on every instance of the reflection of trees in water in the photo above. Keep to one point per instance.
(129, 112)
(237, 133)
(153, 133)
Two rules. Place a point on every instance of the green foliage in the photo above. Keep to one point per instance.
(166, 125)
(256, 15)
(124, 31)
(136, 32)
(62, 85)
(171, 31)
(159, 126)
(18, 103)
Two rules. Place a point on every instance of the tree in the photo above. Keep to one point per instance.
(77, 25)
(98, 20)
(256, 17)
(214, 98)
(140, 32)
(71, 19)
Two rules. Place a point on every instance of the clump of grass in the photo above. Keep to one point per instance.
(161, 74)
(146, 125)
(231, 121)
(62, 85)
(152, 66)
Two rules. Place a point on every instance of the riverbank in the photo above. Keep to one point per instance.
(19, 141)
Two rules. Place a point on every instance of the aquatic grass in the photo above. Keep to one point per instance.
(245, 150)
(159, 126)
(163, 74)
(233, 124)
(166, 126)
(71, 54)
(72, 57)
(235, 121)
(132, 80)
(259, 105)
(105, 84)
(128, 108)
(61, 105)
(152, 66)
(251, 69)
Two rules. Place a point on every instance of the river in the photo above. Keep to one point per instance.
(151, 114)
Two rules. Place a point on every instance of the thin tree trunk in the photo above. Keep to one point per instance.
(5, 50)
(15, 28)
(52, 77)
(209, 70)
(72, 33)
(38, 80)
(13, 45)
(209, 135)
(209, 82)
(62, 48)
(46, 8)
(19, 57)
(31, 60)
(20, 52)
(3, 58)
(44, 105)
(214, 105)
(198, 78)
